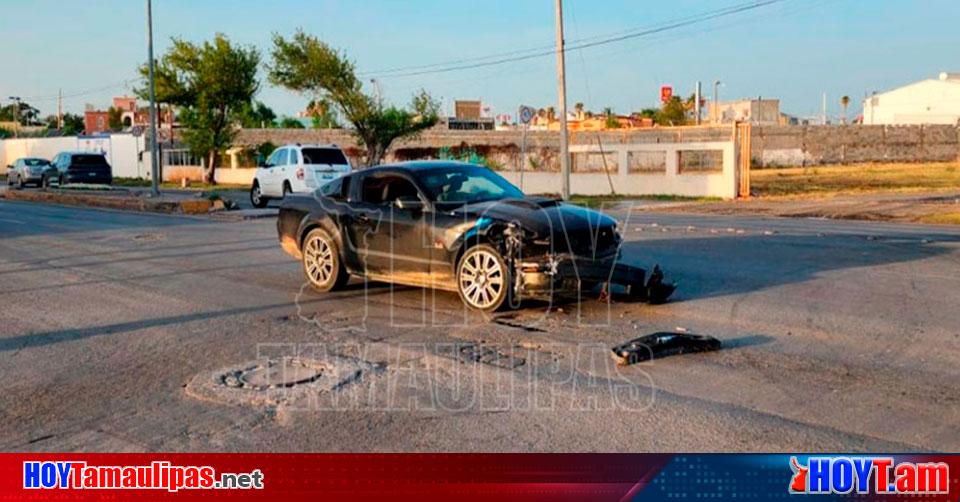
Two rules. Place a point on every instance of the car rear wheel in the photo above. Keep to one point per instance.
(321, 262)
(45, 182)
(20, 183)
(483, 279)
(256, 196)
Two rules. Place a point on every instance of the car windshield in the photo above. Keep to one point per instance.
(323, 156)
(457, 185)
(36, 162)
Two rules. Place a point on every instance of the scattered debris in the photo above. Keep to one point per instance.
(769, 232)
(149, 237)
(478, 353)
(680, 329)
(691, 228)
(662, 344)
(871, 237)
(654, 225)
(926, 241)
(505, 321)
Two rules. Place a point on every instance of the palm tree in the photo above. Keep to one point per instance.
(579, 109)
(551, 113)
(845, 102)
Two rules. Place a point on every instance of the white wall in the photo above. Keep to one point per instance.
(721, 183)
(121, 150)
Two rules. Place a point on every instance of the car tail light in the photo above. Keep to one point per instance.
(300, 173)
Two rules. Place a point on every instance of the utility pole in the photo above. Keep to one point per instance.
(16, 116)
(154, 152)
(562, 84)
(716, 102)
(696, 104)
(376, 88)
(823, 112)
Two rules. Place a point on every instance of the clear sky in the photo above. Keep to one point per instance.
(794, 50)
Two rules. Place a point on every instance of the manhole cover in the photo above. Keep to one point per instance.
(277, 374)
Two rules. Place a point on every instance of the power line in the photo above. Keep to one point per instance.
(527, 54)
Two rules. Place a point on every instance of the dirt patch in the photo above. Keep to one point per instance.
(935, 208)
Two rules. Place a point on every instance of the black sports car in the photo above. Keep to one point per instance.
(457, 227)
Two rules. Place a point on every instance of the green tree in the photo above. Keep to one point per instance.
(211, 83)
(114, 118)
(673, 112)
(24, 113)
(845, 102)
(306, 65)
(256, 115)
(323, 114)
(291, 123)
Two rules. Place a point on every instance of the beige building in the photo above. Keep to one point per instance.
(754, 111)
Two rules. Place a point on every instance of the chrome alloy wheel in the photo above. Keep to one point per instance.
(481, 279)
(319, 261)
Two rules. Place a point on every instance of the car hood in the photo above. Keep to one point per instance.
(540, 215)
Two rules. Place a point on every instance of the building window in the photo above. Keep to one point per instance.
(647, 162)
(700, 161)
(595, 162)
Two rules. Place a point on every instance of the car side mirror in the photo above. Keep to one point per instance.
(409, 203)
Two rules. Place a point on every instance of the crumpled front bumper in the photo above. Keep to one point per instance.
(555, 276)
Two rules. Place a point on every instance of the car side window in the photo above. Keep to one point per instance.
(294, 157)
(384, 190)
(274, 158)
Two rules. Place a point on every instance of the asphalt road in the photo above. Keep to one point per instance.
(838, 336)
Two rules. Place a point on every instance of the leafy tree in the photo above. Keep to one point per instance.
(323, 114)
(212, 83)
(4, 134)
(115, 118)
(306, 65)
(291, 123)
(26, 114)
(256, 115)
(673, 112)
(845, 102)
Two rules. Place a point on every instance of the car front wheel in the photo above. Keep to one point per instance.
(483, 279)
(256, 196)
(321, 262)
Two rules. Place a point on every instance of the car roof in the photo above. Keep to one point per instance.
(81, 153)
(300, 145)
(418, 165)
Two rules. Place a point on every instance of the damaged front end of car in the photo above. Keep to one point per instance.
(546, 268)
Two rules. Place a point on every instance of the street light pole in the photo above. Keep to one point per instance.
(562, 84)
(154, 152)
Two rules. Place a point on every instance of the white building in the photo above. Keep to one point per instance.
(932, 101)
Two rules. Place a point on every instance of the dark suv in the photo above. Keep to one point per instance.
(83, 167)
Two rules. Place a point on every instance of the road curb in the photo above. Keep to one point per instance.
(123, 203)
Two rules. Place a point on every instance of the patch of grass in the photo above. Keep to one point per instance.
(194, 185)
(596, 201)
(942, 219)
(832, 180)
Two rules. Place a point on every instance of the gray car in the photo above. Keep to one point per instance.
(31, 170)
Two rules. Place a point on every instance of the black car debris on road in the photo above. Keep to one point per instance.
(457, 227)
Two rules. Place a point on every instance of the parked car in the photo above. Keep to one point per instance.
(297, 169)
(83, 167)
(456, 227)
(31, 170)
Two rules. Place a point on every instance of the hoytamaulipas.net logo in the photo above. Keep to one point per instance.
(868, 475)
(159, 475)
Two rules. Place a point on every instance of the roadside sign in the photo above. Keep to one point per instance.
(666, 92)
(526, 114)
